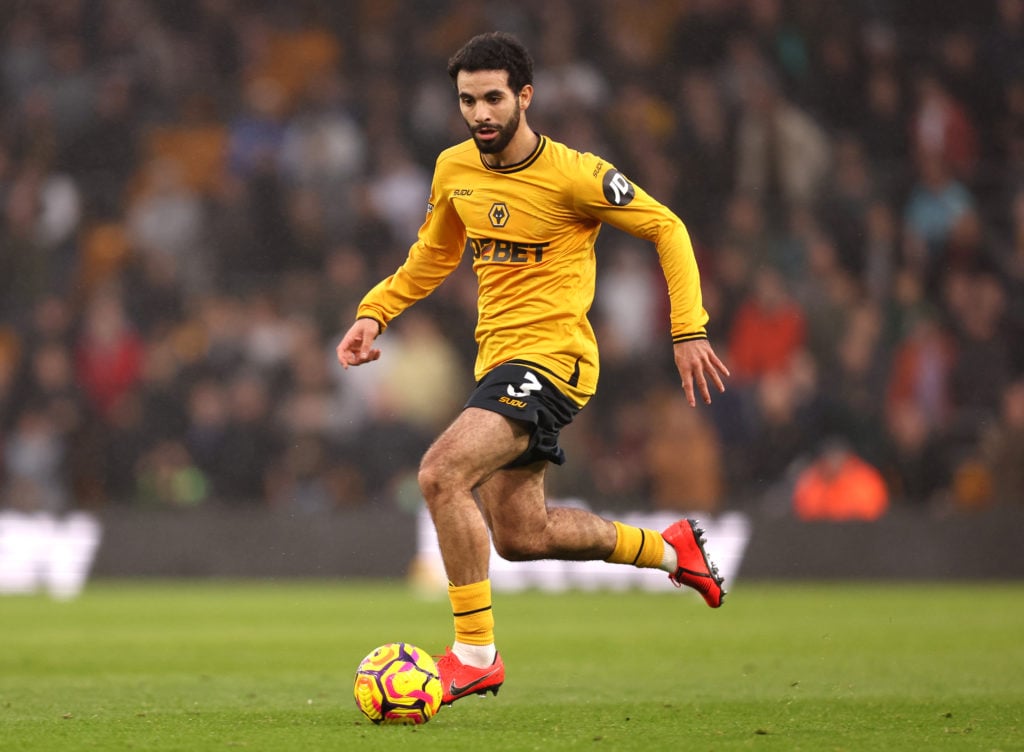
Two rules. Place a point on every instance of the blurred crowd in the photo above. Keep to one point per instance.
(194, 196)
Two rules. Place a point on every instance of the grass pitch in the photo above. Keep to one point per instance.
(196, 666)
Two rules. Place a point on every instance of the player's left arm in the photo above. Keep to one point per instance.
(609, 196)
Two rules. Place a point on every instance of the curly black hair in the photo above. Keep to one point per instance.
(495, 50)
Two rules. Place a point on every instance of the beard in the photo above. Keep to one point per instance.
(505, 133)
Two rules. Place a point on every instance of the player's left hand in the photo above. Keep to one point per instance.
(697, 364)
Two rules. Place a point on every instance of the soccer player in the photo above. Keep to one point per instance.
(531, 209)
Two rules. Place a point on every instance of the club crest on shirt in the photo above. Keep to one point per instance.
(498, 214)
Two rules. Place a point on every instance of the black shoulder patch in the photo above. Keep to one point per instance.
(617, 190)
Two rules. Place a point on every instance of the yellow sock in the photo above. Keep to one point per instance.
(474, 617)
(637, 546)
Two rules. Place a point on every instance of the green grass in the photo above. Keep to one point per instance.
(197, 666)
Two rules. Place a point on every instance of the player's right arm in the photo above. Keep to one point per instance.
(435, 254)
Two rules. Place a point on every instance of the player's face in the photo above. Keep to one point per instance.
(491, 109)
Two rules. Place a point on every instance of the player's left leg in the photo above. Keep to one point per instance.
(525, 528)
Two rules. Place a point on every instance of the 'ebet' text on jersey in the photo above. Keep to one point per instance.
(508, 251)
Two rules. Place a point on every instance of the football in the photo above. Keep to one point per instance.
(398, 683)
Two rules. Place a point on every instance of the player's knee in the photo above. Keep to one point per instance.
(516, 547)
(430, 480)
(437, 477)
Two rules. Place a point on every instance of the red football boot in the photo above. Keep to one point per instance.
(459, 680)
(694, 568)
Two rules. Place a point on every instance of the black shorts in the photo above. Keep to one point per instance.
(521, 392)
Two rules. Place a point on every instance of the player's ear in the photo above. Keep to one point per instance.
(525, 96)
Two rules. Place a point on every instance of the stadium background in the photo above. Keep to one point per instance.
(195, 195)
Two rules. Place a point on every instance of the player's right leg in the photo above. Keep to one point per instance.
(469, 451)
(476, 444)
(462, 679)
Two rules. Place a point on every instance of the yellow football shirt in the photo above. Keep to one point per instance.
(531, 228)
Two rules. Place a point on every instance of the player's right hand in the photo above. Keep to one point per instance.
(355, 347)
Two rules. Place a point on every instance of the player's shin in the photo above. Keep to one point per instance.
(474, 622)
(637, 546)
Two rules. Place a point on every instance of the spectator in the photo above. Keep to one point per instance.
(420, 382)
(849, 381)
(71, 85)
(311, 407)
(1008, 178)
(108, 353)
(828, 296)
(1011, 264)
(920, 372)
(941, 127)
(782, 154)
(914, 463)
(883, 126)
(839, 79)
(28, 266)
(845, 202)
(397, 189)
(307, 479)
(106, 152)
(629, 303)
(839, 487)
(208, 416)
(255, 140)
(324, 148)
(769, 329)
(684, 456)
(937, 202)
(168, 477)
(1003, 41)
(783, 425)
(35, 457)
(168, 221)
(977, 304)
(707, 170)
(251, 444)
(10, 357)
(879, 251)
(1003, 447)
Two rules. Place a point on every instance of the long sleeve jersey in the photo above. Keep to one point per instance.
(531, 228)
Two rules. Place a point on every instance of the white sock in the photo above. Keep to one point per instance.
(669, 560)
(480, 656)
